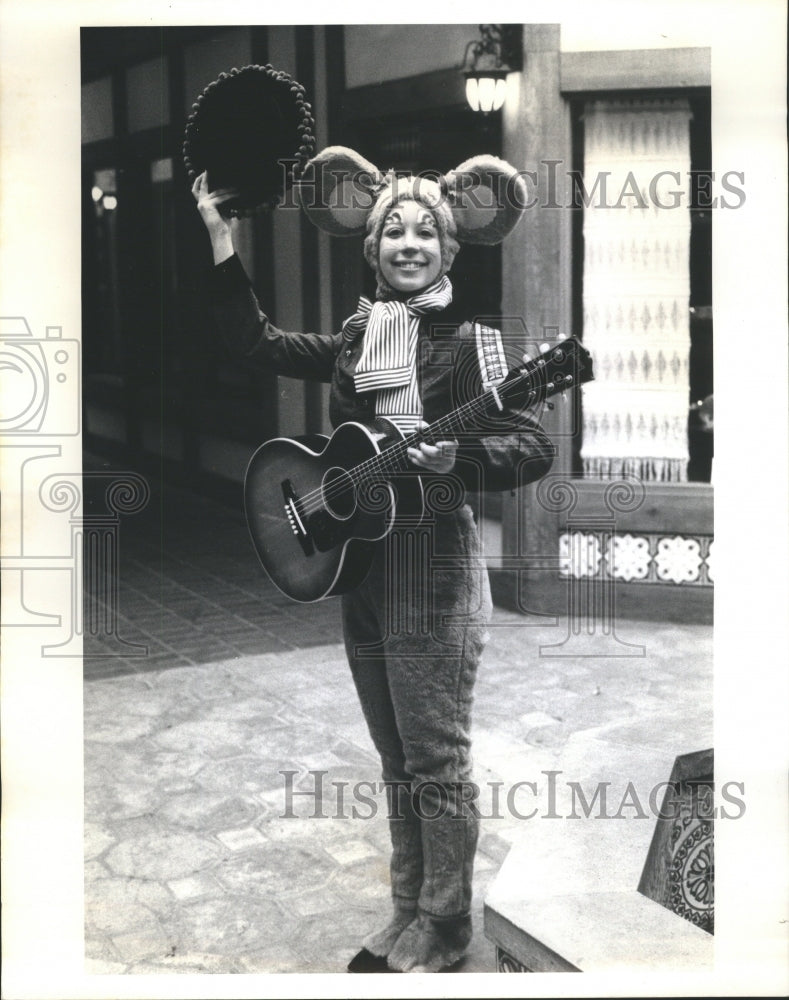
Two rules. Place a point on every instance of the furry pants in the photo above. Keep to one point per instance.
(414, 634)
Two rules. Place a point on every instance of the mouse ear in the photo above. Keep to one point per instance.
(487, 196)
(338, 189)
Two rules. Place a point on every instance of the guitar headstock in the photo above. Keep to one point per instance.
(563, 366)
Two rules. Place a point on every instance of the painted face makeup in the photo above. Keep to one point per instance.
(409, 253)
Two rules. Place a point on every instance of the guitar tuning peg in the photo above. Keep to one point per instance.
(544, 348)
(562, 336)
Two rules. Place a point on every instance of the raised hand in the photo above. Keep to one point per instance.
(217, 222)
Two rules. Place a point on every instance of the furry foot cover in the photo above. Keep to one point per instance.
(429, 945)
(381, 942)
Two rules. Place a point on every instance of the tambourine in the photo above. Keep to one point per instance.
(250, 129)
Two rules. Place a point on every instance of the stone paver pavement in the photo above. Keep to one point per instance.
(192, 861)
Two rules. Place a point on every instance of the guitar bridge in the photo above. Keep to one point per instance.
(296, 518)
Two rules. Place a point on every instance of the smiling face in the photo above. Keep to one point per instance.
(409, 253)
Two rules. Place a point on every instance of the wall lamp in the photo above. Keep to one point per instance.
(487, 61)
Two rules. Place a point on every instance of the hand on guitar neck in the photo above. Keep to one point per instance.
(437, 456)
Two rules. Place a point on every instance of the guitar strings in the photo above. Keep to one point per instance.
(385, 461)
(390, 458)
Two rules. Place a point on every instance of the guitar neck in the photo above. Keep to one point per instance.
(565, 365)
(395, 458)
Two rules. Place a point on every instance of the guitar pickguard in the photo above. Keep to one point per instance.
(325, 531)
(316, 531)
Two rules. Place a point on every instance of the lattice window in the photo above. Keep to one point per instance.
(636, 288)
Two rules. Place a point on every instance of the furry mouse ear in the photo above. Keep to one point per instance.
(487, 196)
(337, 190)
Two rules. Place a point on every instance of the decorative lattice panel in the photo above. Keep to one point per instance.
(637, 289)
(637, 558)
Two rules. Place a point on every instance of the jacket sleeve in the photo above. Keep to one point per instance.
(249, 334)
(493, 463)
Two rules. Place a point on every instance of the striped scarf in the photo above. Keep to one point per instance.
(388, 358)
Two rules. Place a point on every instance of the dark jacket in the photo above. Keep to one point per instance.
(513, 449)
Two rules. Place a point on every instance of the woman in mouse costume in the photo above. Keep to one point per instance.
(414, 632)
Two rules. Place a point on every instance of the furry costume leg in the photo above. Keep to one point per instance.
(430, 945)
(414, 645)
(365, 653)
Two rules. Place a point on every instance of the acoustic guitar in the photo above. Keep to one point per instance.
(316, 506)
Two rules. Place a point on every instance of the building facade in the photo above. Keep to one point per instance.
(614, 247)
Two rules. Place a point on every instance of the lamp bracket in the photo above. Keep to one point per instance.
(500, 46)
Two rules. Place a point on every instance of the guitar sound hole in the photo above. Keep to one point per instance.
(339, 495)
